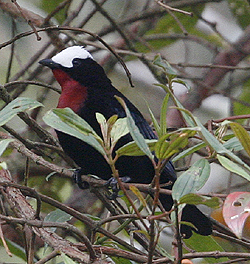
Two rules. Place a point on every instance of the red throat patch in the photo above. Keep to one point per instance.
(73, 93)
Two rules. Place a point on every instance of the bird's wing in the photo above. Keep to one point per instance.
(143, 126)
(168, 172)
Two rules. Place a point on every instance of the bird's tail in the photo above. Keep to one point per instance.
(190, 213)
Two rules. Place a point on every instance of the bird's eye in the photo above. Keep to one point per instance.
(76, 62)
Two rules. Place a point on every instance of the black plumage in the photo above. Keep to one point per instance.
(95, 93)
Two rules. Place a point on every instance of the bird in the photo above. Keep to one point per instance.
(87, 90)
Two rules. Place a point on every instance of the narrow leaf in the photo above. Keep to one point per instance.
(183, 83)
(163, 116)
(185, 113)
(218, 147)
(155, 122)
(132, 149)
(138, 195)
(164, 65)
(58, 216)
(69, 117)
(165, 149)
(134, 131)
(100, 118)
(188, 151)
(18, 105)
(233, 167)
(73, 125)
(103, 124)
(192, 179)
(233, 144)
(161, 146)
(243, 136)
(192, 198)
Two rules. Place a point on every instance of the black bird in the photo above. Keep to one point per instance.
(86, 89)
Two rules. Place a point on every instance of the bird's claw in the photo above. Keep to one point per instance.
(78, 179)
(112, 184)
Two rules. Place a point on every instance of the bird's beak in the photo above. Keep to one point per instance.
(49, 63)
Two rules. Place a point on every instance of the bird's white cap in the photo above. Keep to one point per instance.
(66, 56)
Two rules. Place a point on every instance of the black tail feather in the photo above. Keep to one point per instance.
(192, 214)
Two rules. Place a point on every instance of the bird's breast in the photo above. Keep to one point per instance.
(73, 93)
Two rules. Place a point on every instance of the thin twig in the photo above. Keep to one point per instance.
(177, 234)
(170, 12)
(64, 225)
(27, 19)
(4, 242)
(167, 7)
(13, 83)
(56, 28)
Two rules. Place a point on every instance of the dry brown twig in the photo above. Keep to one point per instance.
(24, 210)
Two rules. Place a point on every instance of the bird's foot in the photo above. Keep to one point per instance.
(78, 179)
(112, 184)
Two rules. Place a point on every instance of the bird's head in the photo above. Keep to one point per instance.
(77, 73)
(77, 63)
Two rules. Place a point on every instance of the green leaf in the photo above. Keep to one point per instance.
(233, 167)
(165, 66)
(188, 151)
(93, 217)
(4, 144)
(132, 149)
(208, 245)
(119, 129)
(192, 198)
(163, 116)
(162, 146)
(134, 131)
(204, 166)
(18, 105)
(138, 194)
(65, 120)
(67, 260)
(214, 143)
(218, 147)
(233, 144)
(165, 149)
(154, 120)
(183, 83)
(191, 180)
(243, 136)
(120, 260)
(68, 116)
(58, 216)
(185, 113)
(100, 118)
(103, 125)
(16, 250)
